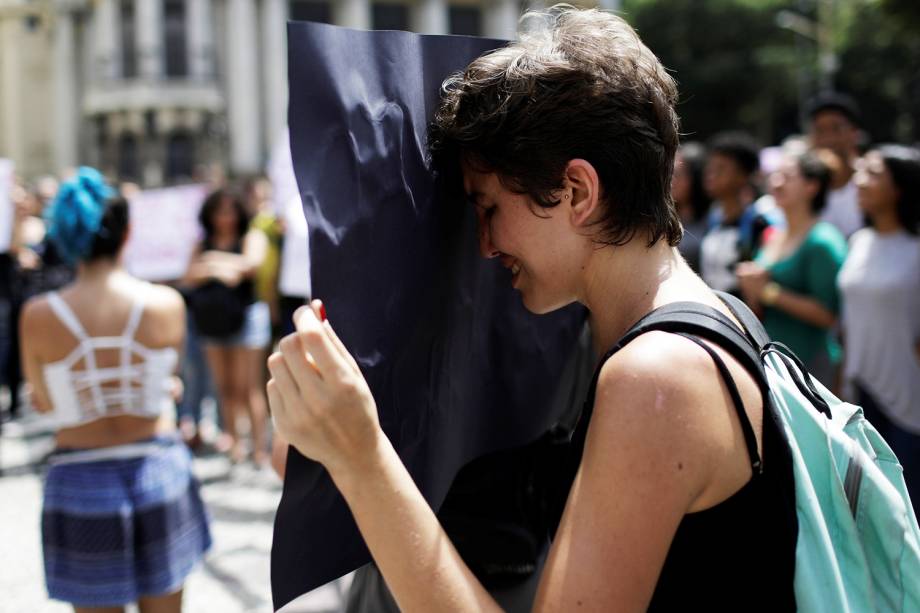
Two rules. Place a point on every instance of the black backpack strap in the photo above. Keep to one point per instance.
(752, 326)
(758, 335)
(704, 322)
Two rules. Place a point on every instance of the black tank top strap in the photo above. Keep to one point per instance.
(746, 428)
(695, 321)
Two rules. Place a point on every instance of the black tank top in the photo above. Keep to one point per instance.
(740, 554)
(246, 288)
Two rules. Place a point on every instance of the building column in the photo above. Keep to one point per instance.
(106, 43)
(431, 17)
(11, 136)
(200, 33)
(66, 106)
(274, 44)
(352, 13)
(148, 20)
(501, 19)
(243, 87)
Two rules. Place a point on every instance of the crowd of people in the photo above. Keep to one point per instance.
(819, 236)
(121, 368)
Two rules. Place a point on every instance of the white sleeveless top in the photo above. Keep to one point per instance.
(81, 392)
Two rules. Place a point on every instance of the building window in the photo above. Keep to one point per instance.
(180, 157)
(128, 48)
(386, 16)
(102, 141)
(127, 158)
(465, 20)
(310, 10)
(174, 38)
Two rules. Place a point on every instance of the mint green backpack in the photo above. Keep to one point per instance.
(859, 544)
(858, 547)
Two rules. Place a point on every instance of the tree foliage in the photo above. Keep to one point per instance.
(737, 68)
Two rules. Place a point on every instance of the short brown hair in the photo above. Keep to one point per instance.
(580, 84)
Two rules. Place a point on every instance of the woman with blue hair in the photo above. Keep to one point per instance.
(122, 520)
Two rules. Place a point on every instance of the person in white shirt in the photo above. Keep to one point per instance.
(835, 125)
(880, 285)
(294, 285)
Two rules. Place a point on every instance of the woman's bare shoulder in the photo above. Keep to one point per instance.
(164, 300)
(36, 313)
(163, 322)
(664, 390)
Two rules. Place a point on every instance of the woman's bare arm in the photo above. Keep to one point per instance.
(655, 437)
(245, 264)
(34, 318)
(643, 470)
(805, 308)
(332, 418)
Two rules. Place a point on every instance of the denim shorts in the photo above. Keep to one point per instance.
(256, 332)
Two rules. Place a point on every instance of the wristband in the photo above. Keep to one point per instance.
(770, 293)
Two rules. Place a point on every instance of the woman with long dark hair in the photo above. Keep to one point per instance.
(122, 520)
(223, 269)
(691, 199)
(880, 284)
(792, 283)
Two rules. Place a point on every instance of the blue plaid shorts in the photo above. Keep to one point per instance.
(117, 529)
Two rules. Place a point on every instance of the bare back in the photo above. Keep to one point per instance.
(103, 307)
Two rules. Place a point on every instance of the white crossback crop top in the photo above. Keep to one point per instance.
(81, 392)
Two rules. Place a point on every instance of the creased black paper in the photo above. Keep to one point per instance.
(458, 367)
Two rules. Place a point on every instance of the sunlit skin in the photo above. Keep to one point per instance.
(832, 130)
(237, 370)
(793, 193)
(643, 469)
(526, 239)
(878, 194)
(725, 181)
(681, 184)
(102, 297)
(226, 222)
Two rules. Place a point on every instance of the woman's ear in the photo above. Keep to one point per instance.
(581, 192)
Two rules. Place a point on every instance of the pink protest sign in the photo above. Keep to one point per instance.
(164, 231)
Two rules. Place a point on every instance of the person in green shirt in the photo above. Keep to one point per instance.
(791, 283)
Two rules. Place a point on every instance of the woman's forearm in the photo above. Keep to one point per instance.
(804, 308)
(240, 263)
(421, 566)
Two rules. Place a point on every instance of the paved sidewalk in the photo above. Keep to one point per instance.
(234, 577)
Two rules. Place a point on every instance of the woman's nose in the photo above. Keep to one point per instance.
(486, 248)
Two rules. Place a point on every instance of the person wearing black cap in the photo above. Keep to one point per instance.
(835, 125)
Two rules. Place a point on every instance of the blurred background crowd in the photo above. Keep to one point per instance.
(798, 180)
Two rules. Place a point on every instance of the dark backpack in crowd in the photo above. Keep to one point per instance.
(218, 310)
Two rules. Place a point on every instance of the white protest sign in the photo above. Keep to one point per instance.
(164, 231)
(7, 213)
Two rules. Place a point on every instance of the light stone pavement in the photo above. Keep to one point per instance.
(234, 577)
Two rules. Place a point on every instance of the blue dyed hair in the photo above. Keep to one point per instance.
(75, 216)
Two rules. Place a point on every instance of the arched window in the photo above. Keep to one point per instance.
(466, 20)
(174, 38)
(128, 166)
(128, 40)
(180, 157)
(389, 16)
(310, 10)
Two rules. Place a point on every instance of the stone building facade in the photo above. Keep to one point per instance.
(153, 90)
